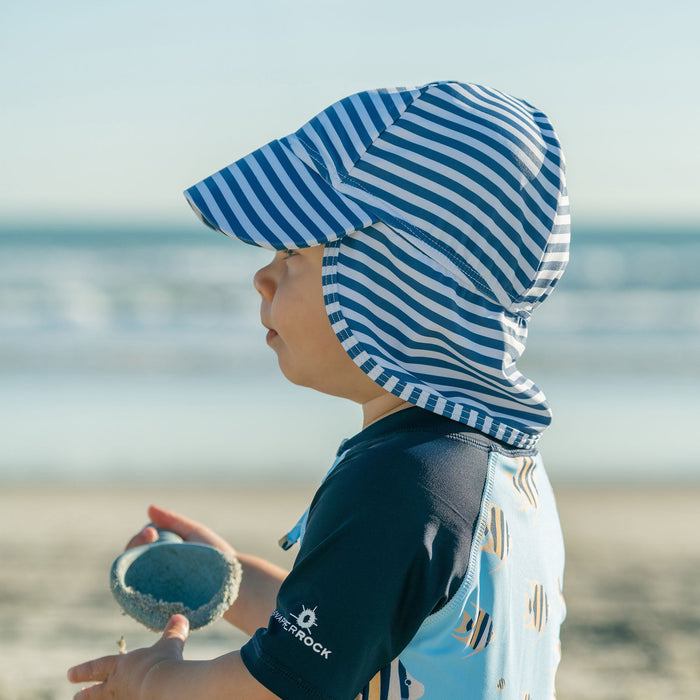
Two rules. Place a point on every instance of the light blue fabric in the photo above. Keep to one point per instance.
(499, 635)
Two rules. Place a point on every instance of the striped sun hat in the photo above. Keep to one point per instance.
(444, 213)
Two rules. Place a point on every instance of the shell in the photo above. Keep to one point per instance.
(155, 581)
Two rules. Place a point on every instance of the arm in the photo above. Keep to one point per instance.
(257, 595)
(387, 542)
(261, 580)
(160, 672)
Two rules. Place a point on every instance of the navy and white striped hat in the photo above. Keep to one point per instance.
(445, 217)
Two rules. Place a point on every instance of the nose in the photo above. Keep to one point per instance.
(264, 283)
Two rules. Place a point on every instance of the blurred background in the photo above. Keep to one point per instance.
(130, 347)
(130, 342)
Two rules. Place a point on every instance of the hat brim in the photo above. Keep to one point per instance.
(271, 198)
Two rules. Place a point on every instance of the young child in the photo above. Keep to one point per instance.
(414, 230)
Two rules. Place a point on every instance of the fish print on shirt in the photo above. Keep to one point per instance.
(537, 608)
(476, 633)
(524, 484)
(497, 536)
(393, 682)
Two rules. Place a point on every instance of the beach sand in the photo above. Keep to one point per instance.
(632, 581)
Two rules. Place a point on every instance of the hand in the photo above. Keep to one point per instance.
(261, 580)
(189, 530)
(129, 676)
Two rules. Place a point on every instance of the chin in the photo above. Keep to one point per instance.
(295, 376)
(309, 379)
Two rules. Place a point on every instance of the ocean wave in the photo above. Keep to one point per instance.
(128, 300)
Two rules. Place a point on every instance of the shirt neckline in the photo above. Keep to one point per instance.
(413, 418)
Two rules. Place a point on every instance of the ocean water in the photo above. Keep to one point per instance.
(137, 353)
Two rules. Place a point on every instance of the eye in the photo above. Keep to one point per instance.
(288, 253)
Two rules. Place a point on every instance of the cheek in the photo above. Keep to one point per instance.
(316, 339)
(302, 314)
(312, 352)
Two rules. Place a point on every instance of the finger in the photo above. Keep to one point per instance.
(189, 530)
(178, 627)
(148, 535)
(169, 520)
(93, 692)
(95, 670)
(175, 635)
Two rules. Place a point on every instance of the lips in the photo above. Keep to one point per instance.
(271, 332)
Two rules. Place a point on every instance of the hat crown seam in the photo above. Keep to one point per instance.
(317, 157)
(444, 249)
(396, 220)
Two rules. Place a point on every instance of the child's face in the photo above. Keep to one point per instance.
(292, 309)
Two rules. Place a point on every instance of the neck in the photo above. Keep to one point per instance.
(380, 407)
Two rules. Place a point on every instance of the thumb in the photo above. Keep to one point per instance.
(175, 634)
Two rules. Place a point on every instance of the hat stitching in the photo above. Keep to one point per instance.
(400, 223)
(407, 227)
(503, 212)
(474, 418)
(319, 157)
(465, 306)
(327, 281)
(485, 143)
(510, 146)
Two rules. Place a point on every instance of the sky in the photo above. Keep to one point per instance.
(111, 109)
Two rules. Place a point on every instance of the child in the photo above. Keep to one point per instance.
(414, 232)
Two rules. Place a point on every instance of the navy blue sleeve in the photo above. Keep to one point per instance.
(387, 543)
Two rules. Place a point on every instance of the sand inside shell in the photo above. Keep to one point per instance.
(162, 580)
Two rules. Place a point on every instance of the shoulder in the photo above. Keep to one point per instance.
(434, 468)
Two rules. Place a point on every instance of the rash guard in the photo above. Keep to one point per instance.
(409, 582)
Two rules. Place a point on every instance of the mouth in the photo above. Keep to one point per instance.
(271, 332)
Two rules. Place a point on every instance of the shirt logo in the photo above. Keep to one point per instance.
(305, 620)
